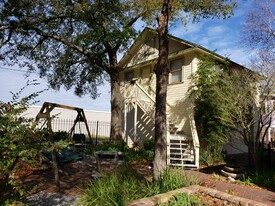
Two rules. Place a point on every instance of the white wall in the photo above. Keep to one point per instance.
(70, 114)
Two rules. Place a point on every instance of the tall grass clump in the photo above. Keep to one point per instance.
(125, 185)
(115, 189)
(172, 179)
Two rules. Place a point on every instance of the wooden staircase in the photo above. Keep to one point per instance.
(182, 150)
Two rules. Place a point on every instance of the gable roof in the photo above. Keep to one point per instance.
(149, 33)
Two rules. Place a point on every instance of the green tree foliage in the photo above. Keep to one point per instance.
(208, 113)
(227, 102)
(71, 43)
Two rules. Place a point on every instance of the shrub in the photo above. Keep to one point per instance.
(19, 141)
(209, 156)
(130, 154)
(60, 135)
(148, 144)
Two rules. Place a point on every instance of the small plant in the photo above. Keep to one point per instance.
(216, 176)
(230, 191)
(89, 150)
(183, 199)
(264, 178)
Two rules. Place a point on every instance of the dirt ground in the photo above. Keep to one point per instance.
(77, 175)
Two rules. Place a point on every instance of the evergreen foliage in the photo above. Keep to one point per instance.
(212, 130)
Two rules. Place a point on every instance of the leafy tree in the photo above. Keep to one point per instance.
(258, 36)
(170, 11)
(208, 115)
(227, 103)
(72, 43)
(242, 109)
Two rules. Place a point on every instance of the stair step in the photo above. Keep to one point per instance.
(178, 149)
(182, 159)
(184, 165)
(178, 143)
(178, 155)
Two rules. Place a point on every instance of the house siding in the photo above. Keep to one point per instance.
(177, 96)
(177, 93)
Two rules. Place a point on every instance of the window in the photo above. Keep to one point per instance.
(129, 75)
(176, 71)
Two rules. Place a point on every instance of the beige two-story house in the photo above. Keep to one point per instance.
(138, 94)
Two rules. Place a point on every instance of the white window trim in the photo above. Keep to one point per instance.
(182, 72)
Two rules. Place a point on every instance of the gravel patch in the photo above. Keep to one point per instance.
(51, 199)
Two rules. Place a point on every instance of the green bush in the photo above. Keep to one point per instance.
(60, 135)
(112, 146)
(130, 154)
(19, 141)
(148, 144)
(210, 156)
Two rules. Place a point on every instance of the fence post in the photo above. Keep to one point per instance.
(96, 133)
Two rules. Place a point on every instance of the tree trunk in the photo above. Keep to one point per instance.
(160, 155)
(115, 110)
(55, 169)
(116, 133)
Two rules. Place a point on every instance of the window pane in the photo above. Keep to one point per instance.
(176, 70)
(176, 76)
(176, 65)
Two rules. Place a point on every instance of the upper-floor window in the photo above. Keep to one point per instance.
(129, 75)
(176, 71)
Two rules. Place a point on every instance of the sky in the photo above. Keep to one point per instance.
(223, 36)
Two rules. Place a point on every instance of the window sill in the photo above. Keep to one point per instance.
(177, 82)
